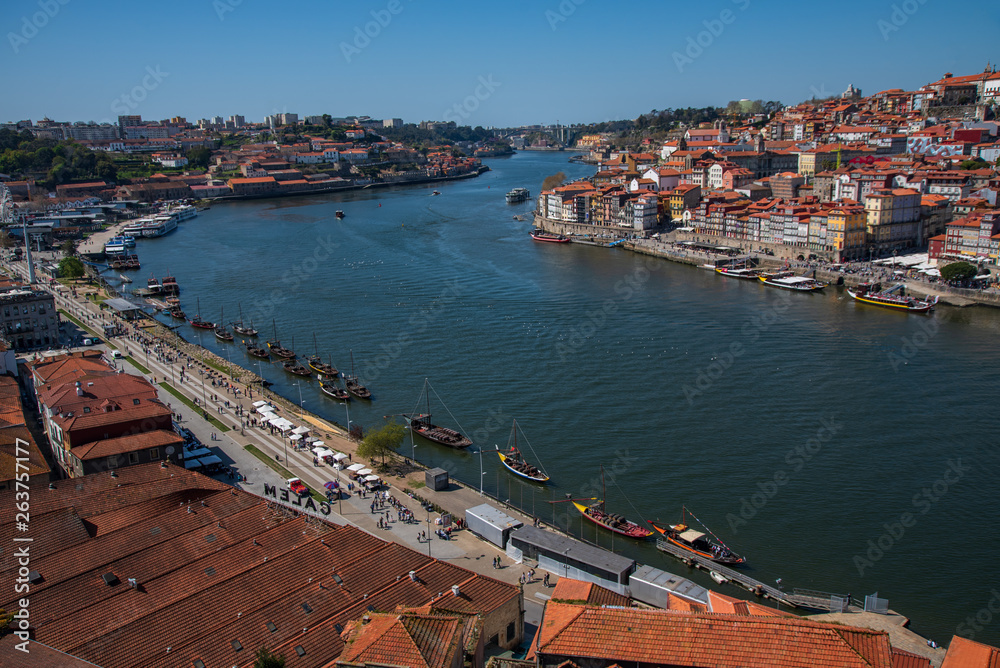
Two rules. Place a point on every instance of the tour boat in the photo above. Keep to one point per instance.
(335, 391)
(421, 424)
(696, 542)
(170, 285)
(518, 195)
(745, 273)
(153, 286)
(177, 314)
(293, 367)
(789, 281)
(182, 212)
(870, 293)
(514, 460)
(598, 514)
(551, 237)
(274, 345)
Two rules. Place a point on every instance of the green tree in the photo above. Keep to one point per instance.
(553, 181)
(382, 442)
(958, 271)
(265, 658)
(68, 248)
(199, 157)
(71, 267)
(973, 163)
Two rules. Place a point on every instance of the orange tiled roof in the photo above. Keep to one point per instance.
(964, 653)
(570, 590)
(704, 639)
(414, 640)
(158, 438)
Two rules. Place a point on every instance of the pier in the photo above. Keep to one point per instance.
(734, 576)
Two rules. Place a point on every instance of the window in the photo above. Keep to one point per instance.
(86, 409)
(510, 631)
(133, 458)
(154, 453)
(135, 402)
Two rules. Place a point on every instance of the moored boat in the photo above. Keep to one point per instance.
(339, 214)
(153, 286)
(515, 462)
(317, 364)
(696, 542)
(221, 332)
(200, 323)
(421, 424)
(744, 273)
(598, 514)
(274, 345)
(257, 351)
(550, 237)
(170, 285)
(789, 281)
(354, 385)
(242, 329)
(177, 314)
(872, 293)
(334, 391)
(293, 367)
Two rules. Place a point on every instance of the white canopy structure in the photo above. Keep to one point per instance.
(295, 437)
(355, 467)
(340, 456)
(211, 459)
(191, 463)
(264, 410)
(317, 443)
(301, 430)
(281, 423)
(258, 404)
(364, 472)
(371, 478)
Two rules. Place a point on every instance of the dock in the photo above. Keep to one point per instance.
(733, 575)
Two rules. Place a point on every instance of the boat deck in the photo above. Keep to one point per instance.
(731, 574)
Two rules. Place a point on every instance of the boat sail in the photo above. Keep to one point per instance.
(515, 462)
(421, 423)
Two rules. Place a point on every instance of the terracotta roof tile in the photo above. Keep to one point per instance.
(159, 438)
(964, 653)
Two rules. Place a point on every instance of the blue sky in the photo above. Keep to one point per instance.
(478, 63)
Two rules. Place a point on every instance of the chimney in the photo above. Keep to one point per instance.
(413, 575)
(79, 389)
(454, 590)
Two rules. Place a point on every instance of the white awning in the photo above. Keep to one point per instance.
(340, 456)
(323, 452)
(317, 443)
(197, 452)
(281, 423)
(691, 535)
(301, 430)
(258, 404)
(192, 463)
(264, 410)
(364, 472)
(355, 467)
(371, 478)
(211, 459)
(295, 437)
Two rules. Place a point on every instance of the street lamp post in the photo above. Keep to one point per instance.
(204, 398)
(428, 532)
(348, 409)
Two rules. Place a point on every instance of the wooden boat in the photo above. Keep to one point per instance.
(240, 328)
(696, 542)
(274, 345)
(177, 314)
(598, 514)
(872, 293)
(354, 385)
(551, 237)
(421, 424)
(744, 273)
(339, 214)
(515, 462)
(789, 281)
(293, 367)
(221, 332)
(335, 391)
(718, 577)
(317, 364)
(197, 321)
(257, 351)
(170, 285)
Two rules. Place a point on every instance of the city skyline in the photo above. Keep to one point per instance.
(570, 62)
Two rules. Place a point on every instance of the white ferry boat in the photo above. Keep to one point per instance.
(518, 195)
(182, 212)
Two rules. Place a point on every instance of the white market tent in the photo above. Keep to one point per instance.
(301, 430)
(211, 459)
(191, 463)
(281, 423)
(365, 472)
(355, 467)
(295, 437)
(258, 404)
(371, 478)
(264, 410)
(340, 456)
(197, 452)
(317, 443)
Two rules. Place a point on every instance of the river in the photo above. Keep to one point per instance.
(803, 429)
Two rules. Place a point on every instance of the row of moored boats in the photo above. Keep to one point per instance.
(870, 293)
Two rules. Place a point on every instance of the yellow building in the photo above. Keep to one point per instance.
(845, 231)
